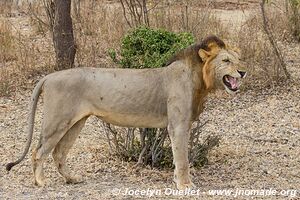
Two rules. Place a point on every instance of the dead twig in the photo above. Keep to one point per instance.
(135, 12)
(34, 15)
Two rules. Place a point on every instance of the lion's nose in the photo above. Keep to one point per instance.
(243, 74)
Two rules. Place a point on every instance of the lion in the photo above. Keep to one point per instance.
(171, 96)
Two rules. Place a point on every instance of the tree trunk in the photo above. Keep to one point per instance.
(63, 37)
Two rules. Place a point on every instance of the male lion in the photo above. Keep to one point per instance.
(171, 97)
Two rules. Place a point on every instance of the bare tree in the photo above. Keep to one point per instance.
(63, 37)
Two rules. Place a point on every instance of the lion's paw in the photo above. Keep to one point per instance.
(40, 182)
(183, 186)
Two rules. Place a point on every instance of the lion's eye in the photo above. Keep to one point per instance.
(226, 60)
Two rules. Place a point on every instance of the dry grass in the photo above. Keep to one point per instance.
(7, 54)
(6, 41)
(5, 6)
(186, 17)
(256, 48)
(100, 26)
(293, 11)
(23, 55)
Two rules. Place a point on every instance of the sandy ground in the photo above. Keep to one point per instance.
(260, 130)
(259, 150)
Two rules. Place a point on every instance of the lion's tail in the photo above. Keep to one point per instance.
(32, 108)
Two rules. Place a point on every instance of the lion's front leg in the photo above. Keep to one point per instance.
(179, 135)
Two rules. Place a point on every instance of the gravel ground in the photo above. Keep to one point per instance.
(260, 130)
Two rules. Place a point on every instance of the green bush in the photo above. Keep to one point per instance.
(150, 48)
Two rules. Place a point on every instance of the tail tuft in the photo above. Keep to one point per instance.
(9, 166)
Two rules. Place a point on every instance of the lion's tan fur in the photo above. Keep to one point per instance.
(171, 97)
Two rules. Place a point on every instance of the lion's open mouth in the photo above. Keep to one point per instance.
(231, 83)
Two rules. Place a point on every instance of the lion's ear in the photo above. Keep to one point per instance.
(204, 55)
(213, 50)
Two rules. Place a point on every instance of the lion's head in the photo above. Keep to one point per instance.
(222, 65)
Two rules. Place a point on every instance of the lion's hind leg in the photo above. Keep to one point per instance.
(51, 135)
(62, 148)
